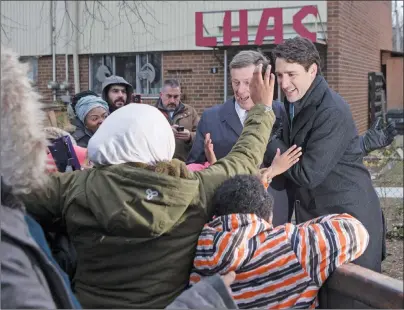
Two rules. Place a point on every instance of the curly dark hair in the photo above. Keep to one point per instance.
(298, 50)
(243, 194)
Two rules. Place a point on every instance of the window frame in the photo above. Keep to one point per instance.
(138, 83)
(28, 60)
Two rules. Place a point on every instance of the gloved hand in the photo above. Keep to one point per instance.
(378, 137)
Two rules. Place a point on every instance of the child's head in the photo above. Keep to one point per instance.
(243, 194)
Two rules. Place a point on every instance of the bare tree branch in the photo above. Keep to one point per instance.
(8, 25)
(94, 13)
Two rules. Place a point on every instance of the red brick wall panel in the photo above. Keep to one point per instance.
(357, 31)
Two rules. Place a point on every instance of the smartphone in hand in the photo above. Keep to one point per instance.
(137, 98)
(64, 154)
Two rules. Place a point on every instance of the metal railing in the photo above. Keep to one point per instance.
(354, 282)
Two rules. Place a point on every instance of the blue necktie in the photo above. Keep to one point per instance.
(291, 112)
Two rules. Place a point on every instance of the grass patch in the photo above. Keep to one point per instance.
(393, 177)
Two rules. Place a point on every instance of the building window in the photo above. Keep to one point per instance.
(142, 71)
(33, 68)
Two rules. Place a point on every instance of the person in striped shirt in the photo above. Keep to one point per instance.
(276, 268)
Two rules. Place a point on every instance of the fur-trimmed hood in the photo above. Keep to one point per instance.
(23, 141)
(55, 133)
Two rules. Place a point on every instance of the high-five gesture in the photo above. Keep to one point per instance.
(280, 164)
(262, 90)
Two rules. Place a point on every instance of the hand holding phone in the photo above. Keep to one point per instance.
(180, 128)
(137, 99)
(64, 155)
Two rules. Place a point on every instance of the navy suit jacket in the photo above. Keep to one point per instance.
(224, 126)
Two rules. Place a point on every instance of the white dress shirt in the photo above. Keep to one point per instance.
(242, 114)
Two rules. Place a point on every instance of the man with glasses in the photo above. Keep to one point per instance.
(182, 117)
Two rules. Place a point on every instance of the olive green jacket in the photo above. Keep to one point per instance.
(135, 228)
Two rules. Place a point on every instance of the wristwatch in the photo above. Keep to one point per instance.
(268, 109)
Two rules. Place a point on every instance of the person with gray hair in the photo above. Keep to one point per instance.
(182, 117)
(91, 112)
(225, 123)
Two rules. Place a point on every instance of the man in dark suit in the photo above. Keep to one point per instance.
(224, 122)
(330, 177)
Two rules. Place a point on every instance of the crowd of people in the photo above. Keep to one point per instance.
(171, 210)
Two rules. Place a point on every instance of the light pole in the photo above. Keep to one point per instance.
(397, 43)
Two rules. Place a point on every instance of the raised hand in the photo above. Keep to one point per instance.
(209, 153)
(282, 163)
(262, 90)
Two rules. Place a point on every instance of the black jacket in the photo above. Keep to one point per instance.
(80, 134)
(330, 176)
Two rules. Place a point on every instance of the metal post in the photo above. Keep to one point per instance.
(397, 42)
(76, 48)
(67, 51)
(53, 41)
(225, 75)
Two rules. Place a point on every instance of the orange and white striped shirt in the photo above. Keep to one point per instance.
(277, 268)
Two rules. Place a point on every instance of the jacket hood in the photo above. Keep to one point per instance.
(225, 242)
(23, 140)
(114, 80)
(140, 201)
(55, 133)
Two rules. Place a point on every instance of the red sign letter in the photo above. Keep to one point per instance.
(200, 40)
(276, 31)
(241, 33)
(298, 25)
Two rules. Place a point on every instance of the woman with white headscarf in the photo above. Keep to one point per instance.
(136, 217)
(91, 111)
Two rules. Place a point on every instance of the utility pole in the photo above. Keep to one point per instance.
(397, 43)
(401, 43)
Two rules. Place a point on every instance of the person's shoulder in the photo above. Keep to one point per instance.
(278, 107)
(79, 134)
(214, 109)
(13, 220)
(334, 101)
(190, 109)
(277, 103)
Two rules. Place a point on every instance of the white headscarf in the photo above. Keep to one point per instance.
(134, 133)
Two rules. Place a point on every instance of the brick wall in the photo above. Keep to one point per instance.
(201, 88)
(45, 75)
(357, 31)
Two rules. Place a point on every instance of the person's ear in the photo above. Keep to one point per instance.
(313, 70)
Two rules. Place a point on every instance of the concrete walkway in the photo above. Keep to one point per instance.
(389, 192)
